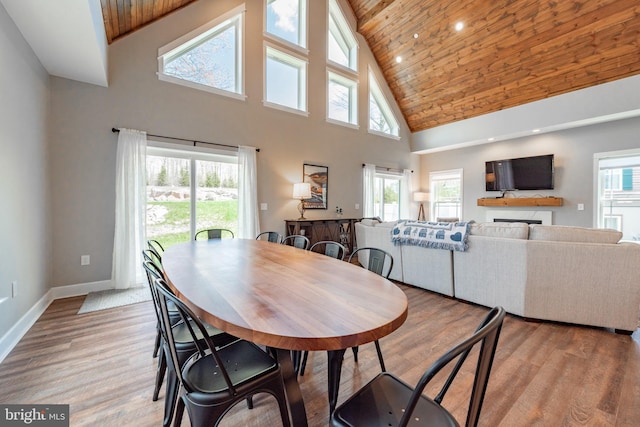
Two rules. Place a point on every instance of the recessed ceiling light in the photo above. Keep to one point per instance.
(415, 35)
(459, 26)
(535, 130)
(491, 139)
(398, 59)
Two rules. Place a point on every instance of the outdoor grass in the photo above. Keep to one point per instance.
(209, 214)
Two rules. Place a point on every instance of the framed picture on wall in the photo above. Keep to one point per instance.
(318, 177)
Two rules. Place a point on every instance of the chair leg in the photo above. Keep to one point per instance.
(355, 353)
(295, 358)
(303, 364)
(334, 368)
(380, 356)
(156, 345)
(171, 396)
(162, 368)
(179, 412)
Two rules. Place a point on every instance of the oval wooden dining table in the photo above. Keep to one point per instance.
(286, 298)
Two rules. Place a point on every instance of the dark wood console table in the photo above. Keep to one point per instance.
(339, 230)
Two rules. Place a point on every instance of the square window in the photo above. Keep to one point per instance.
(342, 99)
(287, 20)
(285, 79)
(342, 45)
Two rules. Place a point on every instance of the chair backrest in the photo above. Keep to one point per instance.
(377, 260)
(203, 341)
(152, 256)
(153, 272)
(332, 249)
(270, 236)
(213, 233)
(297, 240)
(155, 246)
(486, 335)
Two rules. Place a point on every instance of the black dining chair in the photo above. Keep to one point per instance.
(334, 250)
(329, 248)
(297, 240)
(374, 259)
(218, 375)
(214, 233)
(184, 344)
(155, 262)
(270, 236)
(380, 262)
(388, 401)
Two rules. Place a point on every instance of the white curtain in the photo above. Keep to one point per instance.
(368, 183)
(248, 219)
(128, 241)
(405, 192)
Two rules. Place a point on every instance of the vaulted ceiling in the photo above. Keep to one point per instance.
(508, 53)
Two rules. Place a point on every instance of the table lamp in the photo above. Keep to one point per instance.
(421, 198)
(301, 191)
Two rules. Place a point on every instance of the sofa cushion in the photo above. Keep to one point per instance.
(509, 230)
(387, 224)
(565, 233)
(369, 221)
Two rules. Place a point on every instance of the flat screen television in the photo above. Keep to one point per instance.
(524, 173)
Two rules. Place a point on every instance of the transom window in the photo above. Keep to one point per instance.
(342, 99)
(381, 119)
(285, 80)
(287, 20)
(341, 43)
(208, 58)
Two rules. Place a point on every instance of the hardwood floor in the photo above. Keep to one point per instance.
(545, 374)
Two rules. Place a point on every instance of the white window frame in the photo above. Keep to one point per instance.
(352, 86)
(200, 35)
(375, 94)
(303, 23)
(297, 61)
(336, 22)
(436, 176)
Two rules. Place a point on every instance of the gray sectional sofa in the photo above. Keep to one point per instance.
(560, 273)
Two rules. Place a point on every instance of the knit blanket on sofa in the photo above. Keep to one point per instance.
(440, 235)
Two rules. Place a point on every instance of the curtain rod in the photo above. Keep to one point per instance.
(388, 169)
(116, 130)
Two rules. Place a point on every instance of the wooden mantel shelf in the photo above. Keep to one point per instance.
(521, 201)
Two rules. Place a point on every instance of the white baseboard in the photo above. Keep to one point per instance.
(80, 289)
(9, 340)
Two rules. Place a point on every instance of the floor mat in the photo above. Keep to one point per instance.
(110, 298)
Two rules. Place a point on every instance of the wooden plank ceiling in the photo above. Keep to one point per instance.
(509, 52)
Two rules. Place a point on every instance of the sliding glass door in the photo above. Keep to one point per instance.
(189, 190)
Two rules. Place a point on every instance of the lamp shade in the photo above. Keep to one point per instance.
(420, 197)
(302, 190)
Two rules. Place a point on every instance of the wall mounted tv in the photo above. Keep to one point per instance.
(524, 173)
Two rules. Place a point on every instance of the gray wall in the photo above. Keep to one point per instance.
(83, 153)
(24, 204)
(573, 150)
